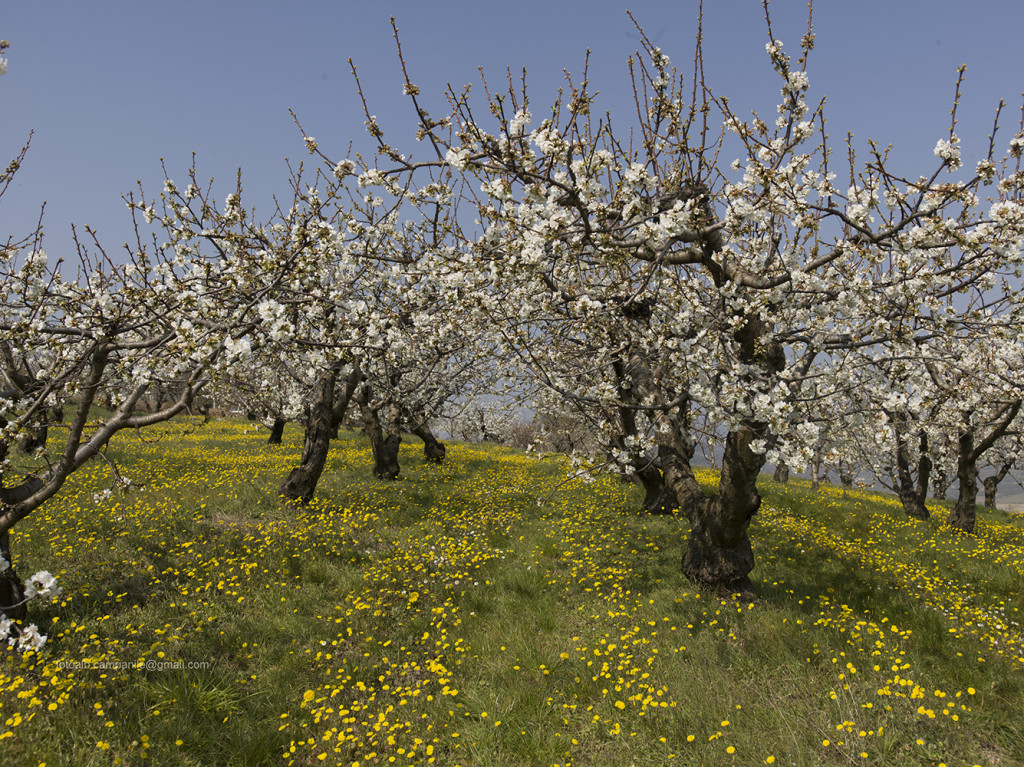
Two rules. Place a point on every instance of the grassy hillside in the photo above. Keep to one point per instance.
(487, 612)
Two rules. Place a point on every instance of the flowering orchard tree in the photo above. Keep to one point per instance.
(709, 288)
(889, 424)
(362, 306)
(1005, 456)
(408, 344)
(946, 376)
(267, 389)
(985, 393)
(167, 313)
(297, 333)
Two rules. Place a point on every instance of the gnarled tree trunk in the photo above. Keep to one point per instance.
(781, 474)
(658, 498)
(385, 443)
(847, 474)
(327, 410)
(276, 431)
(911, 496)
(961, 516)
(302, 480)
(433, 449)
(718, 552)
(381, 423)
(12, 590)
(991, 483)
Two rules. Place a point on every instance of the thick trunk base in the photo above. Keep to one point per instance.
(781, 474)
(961, 516)
(301, 482)
(718, 553)
(962, 519)
(658, 498)
(385, 457)
(716, 557)
(12, 596)
(276, 432)
(434, 452)
(991, 485)
(913, 505)
(433, 449)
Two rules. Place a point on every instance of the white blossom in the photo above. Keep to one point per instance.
(949, 151)
(41, 585)
(457, 158)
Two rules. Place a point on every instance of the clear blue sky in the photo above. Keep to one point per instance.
(111, 87)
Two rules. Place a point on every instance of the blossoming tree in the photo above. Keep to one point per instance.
(724, 291)
(172, 310)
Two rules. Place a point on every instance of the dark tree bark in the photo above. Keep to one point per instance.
(12, 590)
(924, 469)
(384, 443)
(991, 483)
(911, 495)
(433, 449)
(846, 476)
(326, 411)
(302, 480)
(718, 552)
(961, 516)
(969, 450)
(658, 498)
(940, 484)
(781, 474)
(277, 431)
(384, 432)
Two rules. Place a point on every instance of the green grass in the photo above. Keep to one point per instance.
(450, 618)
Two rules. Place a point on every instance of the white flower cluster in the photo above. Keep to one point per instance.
(796, 83)
(949, 151)
(344, 168)
(42, 585)
(497, 188)
(517, 127)
(457, 158)
(548, 140)
(275, 320)
(238, 348)
(860, 202)
(25, 640)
